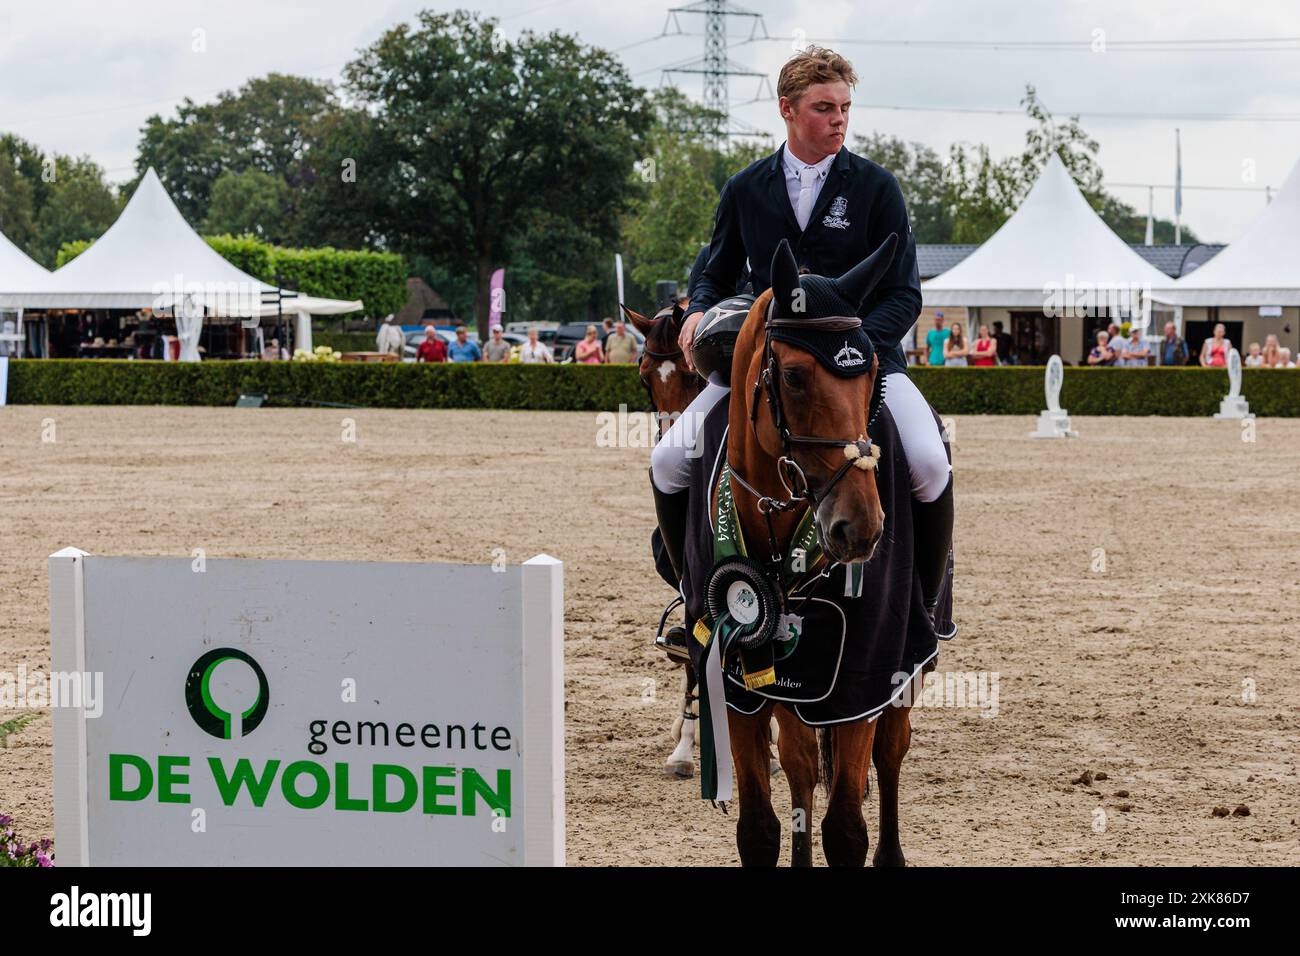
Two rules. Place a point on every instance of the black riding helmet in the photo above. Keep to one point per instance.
(715, 336)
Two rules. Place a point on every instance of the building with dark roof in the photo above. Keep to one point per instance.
(1174, 261)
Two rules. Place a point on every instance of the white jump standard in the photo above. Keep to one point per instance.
(1054, 422)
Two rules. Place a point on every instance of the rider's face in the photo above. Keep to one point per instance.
(820, 120)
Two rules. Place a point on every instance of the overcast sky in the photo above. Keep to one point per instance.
(80, 76)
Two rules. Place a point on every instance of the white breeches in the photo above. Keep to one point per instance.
(922, 441)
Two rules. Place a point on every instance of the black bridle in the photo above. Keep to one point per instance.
(648, 352)
(792, 477)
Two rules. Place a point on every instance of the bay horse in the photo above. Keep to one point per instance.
(672, 385)
(754, 440)
(782, 400)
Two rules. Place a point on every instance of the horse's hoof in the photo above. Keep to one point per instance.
(891, 857)
(681, 769)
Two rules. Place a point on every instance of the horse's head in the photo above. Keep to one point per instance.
(805, 378)
(664, 372)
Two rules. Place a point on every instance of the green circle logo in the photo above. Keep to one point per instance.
(210, 717)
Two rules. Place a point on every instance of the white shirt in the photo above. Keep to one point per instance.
(538, 354)
(793, 183)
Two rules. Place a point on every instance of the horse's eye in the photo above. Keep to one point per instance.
(793, 377)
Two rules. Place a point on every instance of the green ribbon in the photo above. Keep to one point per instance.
(804, 556)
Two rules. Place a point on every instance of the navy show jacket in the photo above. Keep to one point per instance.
(859, 206)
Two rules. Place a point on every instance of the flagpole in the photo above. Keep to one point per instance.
(1178, 188)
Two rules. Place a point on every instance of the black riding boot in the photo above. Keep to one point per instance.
(670, 509)
(932, 539)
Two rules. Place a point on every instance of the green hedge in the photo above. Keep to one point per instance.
(374, 385)
(954, 391)
(1018, 390)
(377, 278)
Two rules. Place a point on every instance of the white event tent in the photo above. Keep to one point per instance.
(17, 271)
(1260, 268)
(151, 258)
(1055, 239)
(1049, 272)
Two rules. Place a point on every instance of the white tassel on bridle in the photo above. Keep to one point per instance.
(863, 454)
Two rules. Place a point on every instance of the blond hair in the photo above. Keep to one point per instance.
(811, 66)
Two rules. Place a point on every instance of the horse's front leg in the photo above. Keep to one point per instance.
(797, 745)
(893, 737)
(758, 831)
(844, 831)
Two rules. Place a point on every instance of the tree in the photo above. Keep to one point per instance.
(920, 174)
(270, 124)
(250, 202)
(80, 206)
(16, 207)
(488, 135)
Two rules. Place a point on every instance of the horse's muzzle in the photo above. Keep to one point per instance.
(847, 541)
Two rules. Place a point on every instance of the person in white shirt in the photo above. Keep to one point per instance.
(534, 352)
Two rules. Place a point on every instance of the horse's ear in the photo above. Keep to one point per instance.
(785, 279)
(856, 284)
(675, 320)
(639, 321)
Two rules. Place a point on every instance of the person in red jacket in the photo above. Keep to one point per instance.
(433, 348)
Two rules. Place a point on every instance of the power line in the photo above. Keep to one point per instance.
(1250, 44)
(1205, 117)
(1228, 189)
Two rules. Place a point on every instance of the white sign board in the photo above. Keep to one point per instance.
(4, 378)
(309, 712)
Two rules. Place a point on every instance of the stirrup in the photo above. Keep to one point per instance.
(673, 641)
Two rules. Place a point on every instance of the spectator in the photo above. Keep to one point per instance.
(534, 352)
(1284, 358)
(606, 329)
(1173, 350)
(1272, 356)
(589, 350)
(1254, 356)
(433, 348)
(936, 339)
(463, 350)
(1006, 354)
(1101, 353)
(272, 352)
(620, 347)
(956, 348)
(390, 339)
(497, 349)
(1214, 353)
(1135, 350)
(1116, 340)
(985, 353)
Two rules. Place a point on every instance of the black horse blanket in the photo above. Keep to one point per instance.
(857, 636)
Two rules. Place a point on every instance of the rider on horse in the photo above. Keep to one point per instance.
(833, 207)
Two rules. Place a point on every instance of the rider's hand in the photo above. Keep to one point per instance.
(687, 337)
